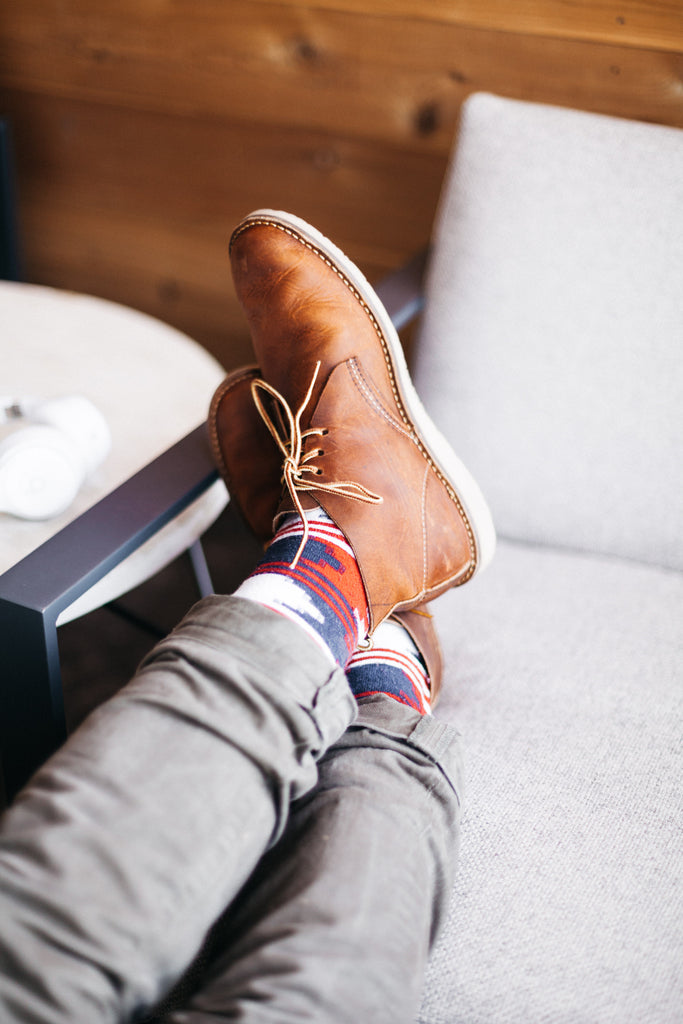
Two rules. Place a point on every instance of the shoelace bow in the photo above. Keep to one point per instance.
(295, 462)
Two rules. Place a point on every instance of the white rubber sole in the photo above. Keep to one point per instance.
(440, 451)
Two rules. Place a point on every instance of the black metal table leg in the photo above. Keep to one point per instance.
(32, 723)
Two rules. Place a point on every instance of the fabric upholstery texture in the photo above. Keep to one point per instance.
(550, 354)
(564, 677)
(551, 344)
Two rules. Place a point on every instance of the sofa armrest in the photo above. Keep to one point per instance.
(402, 291)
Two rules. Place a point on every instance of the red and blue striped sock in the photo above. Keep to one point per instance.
(393, 666)
(323, 591)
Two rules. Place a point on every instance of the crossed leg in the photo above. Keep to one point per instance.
(127, 846)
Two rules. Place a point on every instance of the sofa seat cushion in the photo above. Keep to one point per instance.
(564, 675)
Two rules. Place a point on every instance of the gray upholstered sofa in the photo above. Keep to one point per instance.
(551, 354)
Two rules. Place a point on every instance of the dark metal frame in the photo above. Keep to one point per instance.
(10, 255)
(37, 589)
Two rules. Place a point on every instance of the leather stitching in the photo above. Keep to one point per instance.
(267, 222)
(373, 399)
(423, 509)
(224, 389)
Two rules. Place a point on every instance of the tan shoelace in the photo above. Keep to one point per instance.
(296, 472)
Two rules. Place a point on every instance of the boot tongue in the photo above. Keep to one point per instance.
(287, 506)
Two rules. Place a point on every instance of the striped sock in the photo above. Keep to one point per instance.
(394, 666)
(323, 592)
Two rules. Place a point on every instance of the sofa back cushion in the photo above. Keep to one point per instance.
(551, 349)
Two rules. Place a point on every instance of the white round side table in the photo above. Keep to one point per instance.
(152, 384)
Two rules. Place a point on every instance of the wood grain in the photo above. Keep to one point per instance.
(146, 128)
(376, 198)
(137, 208)
(283, 65)
(655, 23)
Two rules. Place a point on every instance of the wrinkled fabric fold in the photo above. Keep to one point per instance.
(126, 846)
(338, 920)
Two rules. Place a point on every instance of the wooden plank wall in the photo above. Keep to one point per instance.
(146, 128)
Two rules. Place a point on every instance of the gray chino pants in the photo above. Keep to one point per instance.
(235, 770)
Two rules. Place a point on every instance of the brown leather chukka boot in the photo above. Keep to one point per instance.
(336, 396)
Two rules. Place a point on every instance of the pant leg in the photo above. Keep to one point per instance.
(337, 923)
(126, 846)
